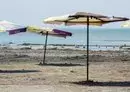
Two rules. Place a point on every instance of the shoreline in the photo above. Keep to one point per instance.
(61, 55)
(65, 46)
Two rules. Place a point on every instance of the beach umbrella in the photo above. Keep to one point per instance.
(84, 18)
(46, 32)
(6, 26)
(126, 24)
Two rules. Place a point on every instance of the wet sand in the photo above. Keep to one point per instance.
(65, 71)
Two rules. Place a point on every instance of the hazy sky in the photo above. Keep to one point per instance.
(32, 12)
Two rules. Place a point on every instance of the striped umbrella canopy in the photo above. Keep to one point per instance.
(43, 31)
(84, 18)
(51, 31)
(80, 18)
(6, 26)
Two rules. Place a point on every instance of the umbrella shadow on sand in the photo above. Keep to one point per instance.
(18, 71)
(60, 64)
(104, 84)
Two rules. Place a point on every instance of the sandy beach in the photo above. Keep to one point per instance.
(65, 71)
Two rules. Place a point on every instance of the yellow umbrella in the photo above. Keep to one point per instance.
(84, 18)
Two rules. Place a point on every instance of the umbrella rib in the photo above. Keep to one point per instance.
(98, 18)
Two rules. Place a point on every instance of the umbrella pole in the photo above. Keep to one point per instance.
(87, 63)
(45, 48)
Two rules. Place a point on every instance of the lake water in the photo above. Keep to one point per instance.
(98, 36)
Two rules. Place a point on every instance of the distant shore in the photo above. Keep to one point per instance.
(35, 53)
(64, 46)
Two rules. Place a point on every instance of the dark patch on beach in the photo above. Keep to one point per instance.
(18, 71)
(104, 84)
(60, 64)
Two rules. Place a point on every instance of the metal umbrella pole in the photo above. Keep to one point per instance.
(45, 48)
(87, 63)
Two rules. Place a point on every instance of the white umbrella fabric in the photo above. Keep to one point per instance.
(6, 26)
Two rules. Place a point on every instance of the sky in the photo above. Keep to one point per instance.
(32, 12)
